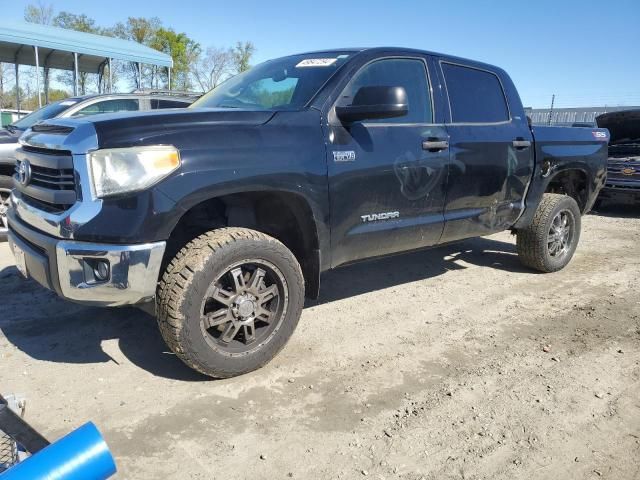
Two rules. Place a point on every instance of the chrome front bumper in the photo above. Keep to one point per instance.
(67, 267)
(133, 272)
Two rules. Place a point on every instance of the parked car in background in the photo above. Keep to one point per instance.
(623, 166)
(72, 108)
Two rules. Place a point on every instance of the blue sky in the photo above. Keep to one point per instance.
(586, 52)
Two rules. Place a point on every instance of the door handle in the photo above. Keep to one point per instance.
(435, 145)
(521, 144)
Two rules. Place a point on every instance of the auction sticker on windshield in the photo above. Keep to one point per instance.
(316, 62)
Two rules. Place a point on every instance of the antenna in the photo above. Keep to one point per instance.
(553, 99)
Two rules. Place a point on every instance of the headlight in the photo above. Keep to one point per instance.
(122, 170)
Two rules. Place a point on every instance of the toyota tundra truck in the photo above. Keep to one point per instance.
(221, 218)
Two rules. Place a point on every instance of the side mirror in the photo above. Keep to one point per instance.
(372, 103)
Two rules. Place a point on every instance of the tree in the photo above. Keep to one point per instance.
(80, 23)
(40, 13)
(242, 53)
(7, 77)
(72, 21)
(212, 68)
(141, 30)
(184, 52)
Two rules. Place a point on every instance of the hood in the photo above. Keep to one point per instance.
(145, 128)
(624, 126)
(9, 136)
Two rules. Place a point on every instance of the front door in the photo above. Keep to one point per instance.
(387, 177)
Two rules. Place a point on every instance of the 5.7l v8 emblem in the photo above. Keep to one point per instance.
(344, 156)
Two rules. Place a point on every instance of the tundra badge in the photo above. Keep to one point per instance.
(372, 217)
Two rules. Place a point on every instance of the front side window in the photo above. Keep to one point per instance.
(282, 84)
(408, 73)
(110, 106)
(475, 96)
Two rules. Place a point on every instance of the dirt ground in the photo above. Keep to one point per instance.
(453, 363)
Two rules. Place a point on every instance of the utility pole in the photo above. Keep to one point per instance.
(553, 99)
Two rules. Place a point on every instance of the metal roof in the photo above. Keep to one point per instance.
(567, 116)
(57, 45)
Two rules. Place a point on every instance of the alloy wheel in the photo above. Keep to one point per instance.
(244, 307)
(560, 236)
(5, 198)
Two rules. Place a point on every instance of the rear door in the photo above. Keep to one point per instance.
(386, 189)
(491, 154)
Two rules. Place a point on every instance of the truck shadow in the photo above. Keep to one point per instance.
(404, 268)
(609, 208)
(47, 328)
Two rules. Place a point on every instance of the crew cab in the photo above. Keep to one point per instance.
(623, 169)
(220, 218)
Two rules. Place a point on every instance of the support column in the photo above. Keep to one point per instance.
(47, 76)
(38, 77)
(75, 73)
(139, 76)
(169, 75)
(17, 86)
(110, 77)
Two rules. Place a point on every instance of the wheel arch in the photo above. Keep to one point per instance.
(284, 215)
(571, 181)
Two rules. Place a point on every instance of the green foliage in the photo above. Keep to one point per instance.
(184, 52)
(29, 98)
(71, 21)
(242, 53)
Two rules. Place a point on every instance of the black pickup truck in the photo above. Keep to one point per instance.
(223, 216)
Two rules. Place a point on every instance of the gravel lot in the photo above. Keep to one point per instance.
(449, 363)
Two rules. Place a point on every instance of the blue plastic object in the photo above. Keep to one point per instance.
(81, 455)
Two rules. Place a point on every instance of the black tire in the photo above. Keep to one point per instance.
(188, 294)
(536, 247)
(6, 185)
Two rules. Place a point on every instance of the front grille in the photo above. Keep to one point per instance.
(616, 168)
(53, 178)
(52, 186)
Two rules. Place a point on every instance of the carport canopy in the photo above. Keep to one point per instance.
(44, 46)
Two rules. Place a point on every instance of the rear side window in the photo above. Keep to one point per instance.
(110, 106)
(159, 104)
(395, 72)
(475, 96)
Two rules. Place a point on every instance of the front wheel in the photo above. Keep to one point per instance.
(229, 301)
(548, 244)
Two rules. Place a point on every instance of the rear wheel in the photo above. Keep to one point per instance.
(551, 240)
(6, 185)
(229, 301)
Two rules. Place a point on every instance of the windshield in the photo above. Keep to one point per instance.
(282, 84)
(49, 111)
